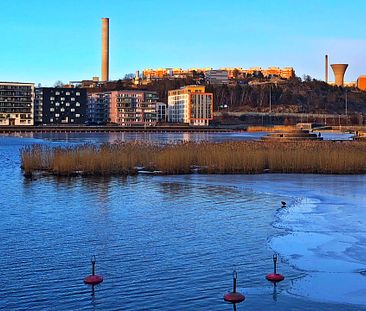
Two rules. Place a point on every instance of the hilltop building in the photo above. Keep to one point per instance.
(131, 108)
(216, 77)
(232, 72)
(16, 103)
(191, 105)
(60, 106)
(361, 83)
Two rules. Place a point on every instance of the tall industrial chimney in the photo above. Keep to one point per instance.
(326, 68)
(105, 49)
(339, 71)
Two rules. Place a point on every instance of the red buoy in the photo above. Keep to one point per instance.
(234, 296)
(93, 279)
(275, 277)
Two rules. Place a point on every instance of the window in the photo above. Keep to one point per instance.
(77, 93)
(67, 93)
(77, 104)
(51, 120)
(77, 115)
(72, 99)
(57, 115)
(67, 104)
(57, 104)
(72, 109)
(62, 109)
(52, 109)
(57, 93)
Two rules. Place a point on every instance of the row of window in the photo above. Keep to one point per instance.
(62, 109)
(67, 93)
(57, 115)
(57, 104)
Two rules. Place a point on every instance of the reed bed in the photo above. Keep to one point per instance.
(271, 128)
(248, 157)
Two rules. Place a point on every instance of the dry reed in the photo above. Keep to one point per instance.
(249, 157)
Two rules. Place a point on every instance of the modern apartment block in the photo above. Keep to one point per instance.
(60, 106)
(133, 107)
(191, 105)
(98, 108)
(16, 103)
(161, 112)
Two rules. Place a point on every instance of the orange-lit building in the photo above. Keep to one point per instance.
(361, 83)
(233, 72)
(161, 73)
(190, 104)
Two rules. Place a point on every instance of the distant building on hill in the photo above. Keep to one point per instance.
(16, 103)
(232, 72)
(361, 83)
(191, 105)
(216, 77)
(133, 108)
(60, 106)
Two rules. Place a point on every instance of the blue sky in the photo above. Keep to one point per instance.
(43, 41)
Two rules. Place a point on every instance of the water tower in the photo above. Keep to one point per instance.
(339, 71)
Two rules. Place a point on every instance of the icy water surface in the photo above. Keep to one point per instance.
(171, 242)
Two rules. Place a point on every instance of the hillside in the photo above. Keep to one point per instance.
(295, 95)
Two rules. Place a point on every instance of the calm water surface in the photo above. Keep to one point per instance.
(171, 242)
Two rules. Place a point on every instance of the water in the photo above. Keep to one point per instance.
(171, 242)
(167, 137)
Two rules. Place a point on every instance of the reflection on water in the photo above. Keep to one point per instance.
(159, 137)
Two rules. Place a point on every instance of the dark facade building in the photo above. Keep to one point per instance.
(16, 103)
(60, 106)
(98, 108)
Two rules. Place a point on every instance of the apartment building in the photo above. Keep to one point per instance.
(16, 103)
(98, 108)
(190, 105)
(60, 106)
(133, 108)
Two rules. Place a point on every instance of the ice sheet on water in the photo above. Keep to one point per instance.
(332, 287)
(326, 238)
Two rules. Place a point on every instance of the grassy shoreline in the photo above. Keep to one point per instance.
(246, 157)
